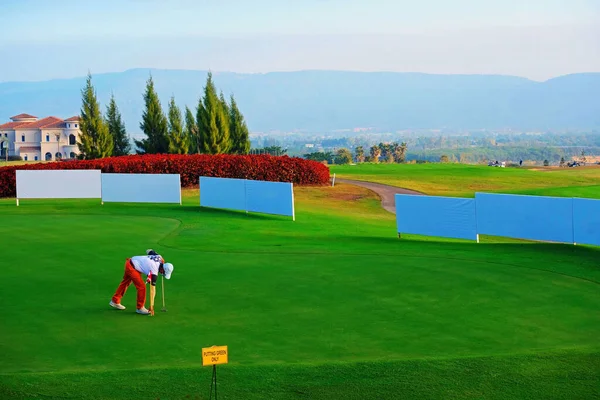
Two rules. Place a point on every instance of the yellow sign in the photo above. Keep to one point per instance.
(214, 355)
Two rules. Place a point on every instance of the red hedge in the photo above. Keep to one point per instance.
(190, 167)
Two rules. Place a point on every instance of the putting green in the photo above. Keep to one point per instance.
(309, 309)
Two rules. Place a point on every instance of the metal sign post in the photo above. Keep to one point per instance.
(213, 356)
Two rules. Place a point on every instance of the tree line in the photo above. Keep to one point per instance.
(503, 153)
(387, 152)
(472, 147)
(214, 127)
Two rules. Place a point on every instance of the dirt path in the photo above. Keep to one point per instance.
(385, 192)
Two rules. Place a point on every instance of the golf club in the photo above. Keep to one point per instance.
(164, 308)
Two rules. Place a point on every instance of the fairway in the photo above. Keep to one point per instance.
(463, 180)
(332, 306)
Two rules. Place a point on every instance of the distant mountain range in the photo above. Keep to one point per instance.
(318, 101)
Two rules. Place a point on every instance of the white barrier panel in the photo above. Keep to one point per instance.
(223, 193)
(59, 184)
(270, 197)
(141, 188)
(436, 216)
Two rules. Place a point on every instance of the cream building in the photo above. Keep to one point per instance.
(47, 139)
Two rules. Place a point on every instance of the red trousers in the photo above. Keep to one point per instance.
(131, 275)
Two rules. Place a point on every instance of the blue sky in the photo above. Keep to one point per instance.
(538, 39)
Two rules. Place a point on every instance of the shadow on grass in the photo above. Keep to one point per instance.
(423, 243)
(227, 213)
(129, 312)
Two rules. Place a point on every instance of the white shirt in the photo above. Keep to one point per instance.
(147, 265)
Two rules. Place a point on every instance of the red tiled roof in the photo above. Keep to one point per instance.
(29, 148)
(13, 125)
(42, 123)
(59, 124)
(23, 116)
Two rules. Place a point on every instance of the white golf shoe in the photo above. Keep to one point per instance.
(142, 311)
(116, 305)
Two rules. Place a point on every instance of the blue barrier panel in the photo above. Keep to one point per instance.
(525, 217)
(586, 221)
(270, 197)
(141, 188)
(223, 193)
(436, 216)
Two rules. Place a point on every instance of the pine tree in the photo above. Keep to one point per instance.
(95, 138)
(116, 127)
(213, 130)
(154, 124)
(238, 131)
(191, 130)
(178, 140)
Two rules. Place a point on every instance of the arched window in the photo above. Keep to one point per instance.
(72, 155)
(58, 156)
(22, 138)
(72, 140)
(25, 158)
(48, 156)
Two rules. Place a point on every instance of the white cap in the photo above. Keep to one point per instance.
(168, 270)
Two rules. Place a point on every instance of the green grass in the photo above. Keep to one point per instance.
(592, 192)
(463, 180)
(330, 306)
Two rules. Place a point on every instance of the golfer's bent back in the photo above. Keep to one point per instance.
(150, 265)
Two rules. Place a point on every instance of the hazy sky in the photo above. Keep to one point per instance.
(538, 39)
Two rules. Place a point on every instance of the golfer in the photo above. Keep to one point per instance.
(150, 265)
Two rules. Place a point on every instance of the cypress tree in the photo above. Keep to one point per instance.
(213, 127)
(223, 124)
(178, 140)
(154, 124)
(191, 130)
(95, 138)
(116, 127)
(238, 130)
(202, 124)
(225, 109)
